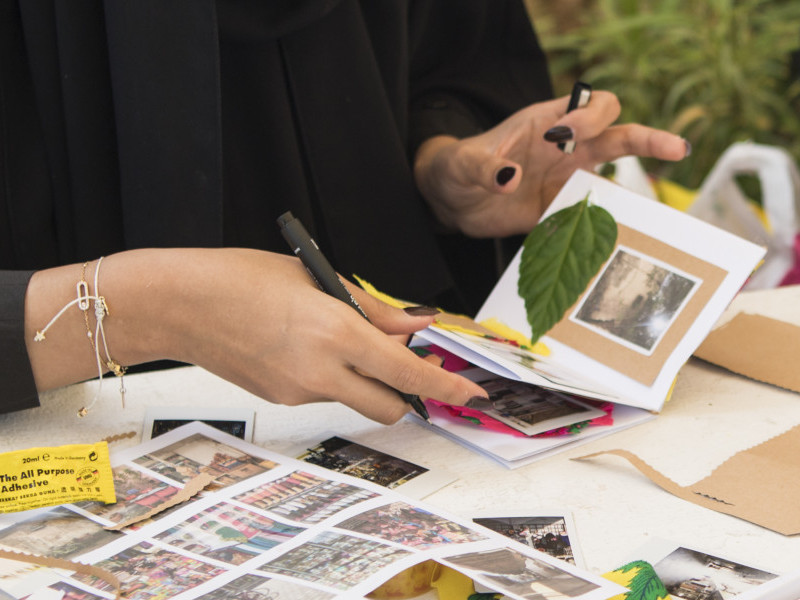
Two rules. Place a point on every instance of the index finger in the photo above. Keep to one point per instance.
(594, 118)
(387, 360)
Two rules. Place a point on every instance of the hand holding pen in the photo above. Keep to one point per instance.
(326, 278)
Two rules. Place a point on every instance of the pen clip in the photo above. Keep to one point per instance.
(581, 94)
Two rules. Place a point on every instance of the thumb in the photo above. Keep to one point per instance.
(494, 174)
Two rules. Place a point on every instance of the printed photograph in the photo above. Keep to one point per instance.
(137, 494)
(530, 578)
(256, 587)
(343, 456)
(531, 409)
(335, 560)
(19, 579)
(149, 572)
(235, 428)
(65, 591)
(304, 497)
(635, 300)
(199, 454)
(57, 533)
(691, 575)
(546, 534)
(410, 526)
(228, 533)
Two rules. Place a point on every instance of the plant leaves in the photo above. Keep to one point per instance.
(645, 584)
(559, 258)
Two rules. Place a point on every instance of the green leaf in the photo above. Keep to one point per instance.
(645, 584)
(559, 258)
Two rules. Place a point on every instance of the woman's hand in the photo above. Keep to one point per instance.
(500, 182)
(254, 318)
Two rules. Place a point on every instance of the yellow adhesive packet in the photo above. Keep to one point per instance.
(39, 477)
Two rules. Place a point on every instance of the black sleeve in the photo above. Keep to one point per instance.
(473, 63)
(18, 389)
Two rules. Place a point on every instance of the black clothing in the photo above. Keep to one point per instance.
(198, 122)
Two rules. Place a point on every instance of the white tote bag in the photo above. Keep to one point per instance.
(720, 201)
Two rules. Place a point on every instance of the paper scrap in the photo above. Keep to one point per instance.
(190, 489)
(60, 563)
(760, 484)
(758, 347)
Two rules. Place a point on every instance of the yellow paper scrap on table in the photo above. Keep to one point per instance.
(39, 477)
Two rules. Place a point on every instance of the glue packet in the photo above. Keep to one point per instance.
(39, 477)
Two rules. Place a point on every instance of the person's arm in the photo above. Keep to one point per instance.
(18, 386)
(462, 179)
(254, 318)
(480, 108)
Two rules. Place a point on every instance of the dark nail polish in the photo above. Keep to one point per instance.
(505, 175)
(479, 403)
(421, 311)
(688, 148)
(560, 133)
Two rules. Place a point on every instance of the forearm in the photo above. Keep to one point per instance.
(136, 286)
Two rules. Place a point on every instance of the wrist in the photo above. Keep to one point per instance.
(428, 174)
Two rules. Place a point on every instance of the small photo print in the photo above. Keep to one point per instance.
(197, 454)
(304, 497)
(409, 526)
(228, 533)
(523, 576)
(335, 560)
(692, 575)
(344, 456)
(635, 300)
(234, 421)
(531, 409)
(546, 534)
(58, 533)
(65, 591)
(137, 494)
(148, 572)
(256, 587)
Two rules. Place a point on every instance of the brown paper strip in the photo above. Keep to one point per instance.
(760, 484)
(118, 437)
(60, 563)
(192, 487)
(758, 347)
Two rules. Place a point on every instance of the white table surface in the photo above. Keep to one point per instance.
(712, 415)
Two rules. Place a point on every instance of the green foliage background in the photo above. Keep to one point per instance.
(714, 71)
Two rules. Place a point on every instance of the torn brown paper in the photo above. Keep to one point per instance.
(760, 484)
(60, 563)
(192, 487)
(758, 347)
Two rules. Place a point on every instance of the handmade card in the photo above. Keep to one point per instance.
(668, 279)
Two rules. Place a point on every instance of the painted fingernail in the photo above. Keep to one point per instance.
(479, 403)
(421, 311)
(688, 145)
(559, 133)
(505, 175)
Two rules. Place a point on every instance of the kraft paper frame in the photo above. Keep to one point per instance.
(637, 366)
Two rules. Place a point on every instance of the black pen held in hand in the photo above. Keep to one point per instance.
(306, 249)
(581, 94)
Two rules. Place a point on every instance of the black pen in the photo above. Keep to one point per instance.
(581, 93)
(321, 271)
